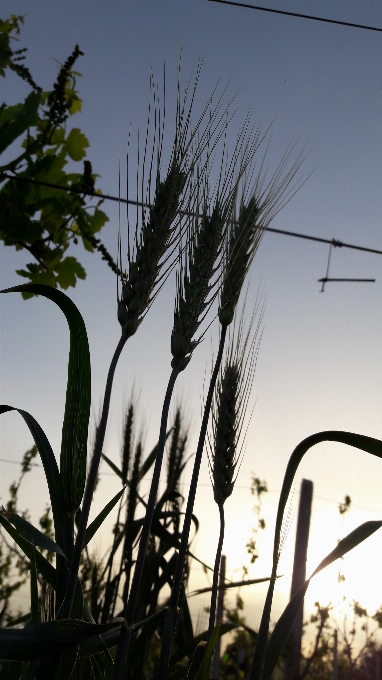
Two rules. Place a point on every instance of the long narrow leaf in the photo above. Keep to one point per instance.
(358, 441)
(110, 638)
(196, 660)
(204, 668)
(350, 541)
(367, 444)
(77, 404)
(111, 464)
(43, 566)
(95, 525)
(232, 584)
(32, 534)
(282, 630)
(145, 467)
(150, 460)
(35, 611)
(284, 625)
(35, 641)
(61, 520)
(62, 524)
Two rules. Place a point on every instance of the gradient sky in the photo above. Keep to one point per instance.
(320, 364)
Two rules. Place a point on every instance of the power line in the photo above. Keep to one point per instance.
(296, 14)
(332, 242)
(73, 190)
(237, 486)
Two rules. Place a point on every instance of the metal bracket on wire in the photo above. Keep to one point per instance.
(326, 279)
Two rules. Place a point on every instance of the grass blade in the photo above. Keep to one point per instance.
(284, 625)
(233, 584)
(61, 520)
(35, 609)
(95, 525)
(43, 566)
(35, 641)
(145, 466)
(350, 541)
(367, 444)
(62, 524)
(33, 535)
(204, 668)
(150, 460)
(77, 405)
(110, 638)
(113, 467)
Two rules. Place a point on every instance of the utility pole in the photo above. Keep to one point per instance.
(215, 666)
(292, 667)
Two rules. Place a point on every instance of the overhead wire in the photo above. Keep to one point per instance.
(297, 14)
(336, 243)
(237, 486)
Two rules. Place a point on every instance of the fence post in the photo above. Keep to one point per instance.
(335, 656)
(377, 664)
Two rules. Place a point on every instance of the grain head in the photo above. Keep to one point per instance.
(258, 202)
(230, 403)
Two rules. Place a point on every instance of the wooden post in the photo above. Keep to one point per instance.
(292, 667)
(215, 666)
(335, 656)
(377, 665)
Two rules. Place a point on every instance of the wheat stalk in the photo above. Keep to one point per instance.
(225, 444)
(228, 414)
(194, 285)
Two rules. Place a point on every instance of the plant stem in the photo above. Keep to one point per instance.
(214, 592)
(126, 631)
(258, 660)
(178, 576)
(89, 489)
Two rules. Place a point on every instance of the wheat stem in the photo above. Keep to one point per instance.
(178, 576)
(125, 637)
(214, 592)
(258, 660)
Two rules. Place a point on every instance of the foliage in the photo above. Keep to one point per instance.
(35, 217)
(341, 650)
(258, 487)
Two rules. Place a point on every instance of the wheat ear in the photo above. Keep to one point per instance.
(138, 286)
(228, 413)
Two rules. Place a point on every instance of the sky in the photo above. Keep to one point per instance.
(319, 365)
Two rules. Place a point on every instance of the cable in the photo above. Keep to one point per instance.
(71, 189)
(332, 242)
(295, 14)
(237, 486)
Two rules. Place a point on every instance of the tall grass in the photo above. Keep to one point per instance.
(205, 214)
